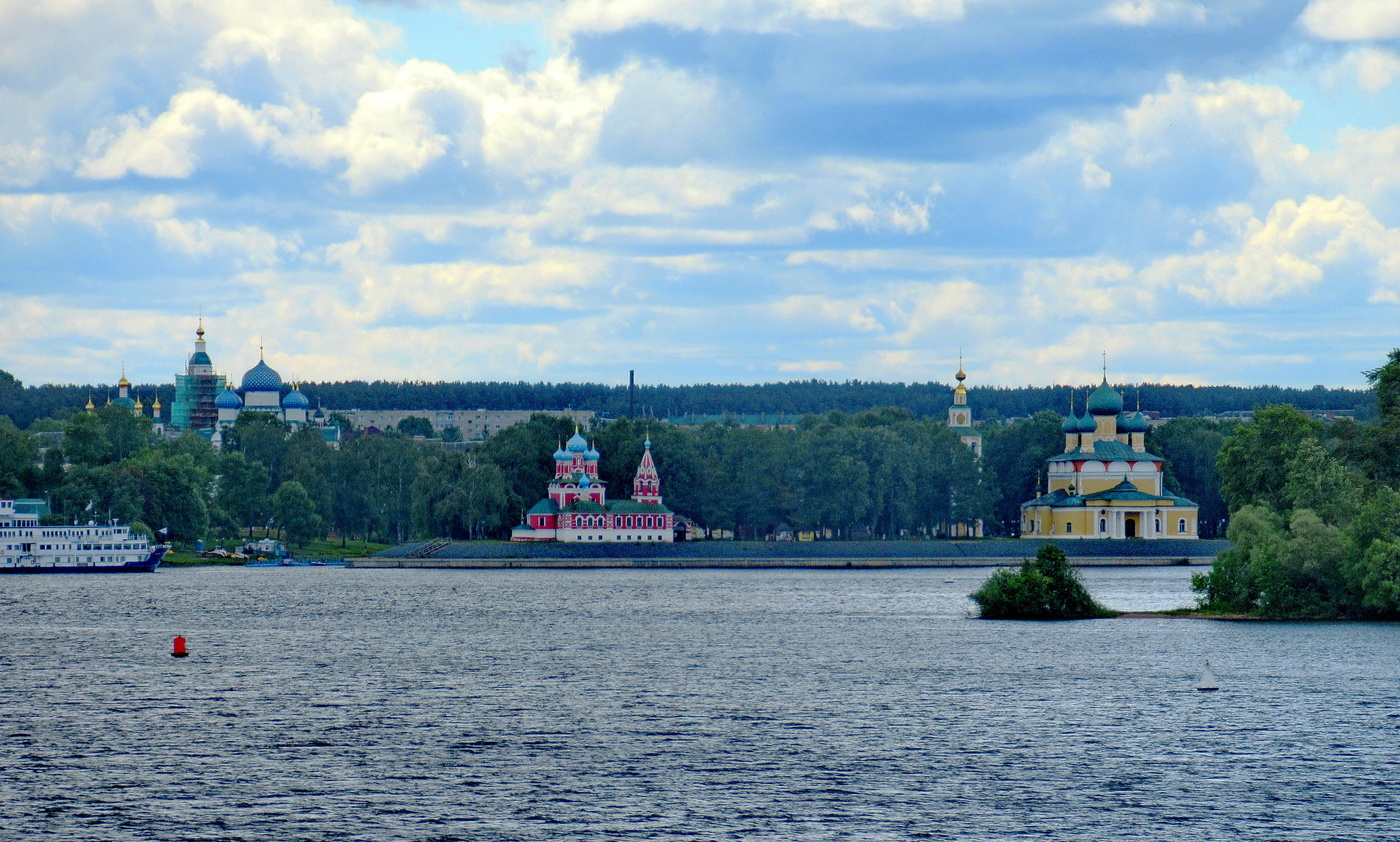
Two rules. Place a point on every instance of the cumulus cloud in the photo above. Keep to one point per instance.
(1149, 12)
(1179, 136)
(1351, 20)
(1091, 289)
(1372, 68)
(1288, 253)
(749, 15)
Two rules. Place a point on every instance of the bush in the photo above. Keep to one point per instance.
(1047, 588)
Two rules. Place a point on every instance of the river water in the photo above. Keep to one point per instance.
(331, 704)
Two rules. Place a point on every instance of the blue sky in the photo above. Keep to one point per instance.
(718, 191)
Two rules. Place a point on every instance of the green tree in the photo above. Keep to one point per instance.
(1385, 379)
(262, 437)
(455, 496)
(524, 453)
(1253, 461)
(1191, 447)
(1046, 588)
(18, 453)
(1013, 457)
(415, 425)
(295, 511)
(128, 434)
(243, 490)
(85, 440)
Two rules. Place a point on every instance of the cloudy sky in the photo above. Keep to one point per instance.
(702, 190)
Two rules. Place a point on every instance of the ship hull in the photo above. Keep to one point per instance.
(150, 565)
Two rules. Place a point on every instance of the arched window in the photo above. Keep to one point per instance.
(1157, 526)
(1069, 528)
(1181, 525)
(1103, 525)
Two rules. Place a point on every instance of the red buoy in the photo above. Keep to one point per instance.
(179, 648)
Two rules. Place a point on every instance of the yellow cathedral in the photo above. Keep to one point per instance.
(1105, 484)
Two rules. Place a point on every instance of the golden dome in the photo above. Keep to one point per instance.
(124, 383)
(139, 407)
(90, 407)
(156, 404)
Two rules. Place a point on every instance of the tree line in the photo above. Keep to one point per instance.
(25, 404)
(879, 473)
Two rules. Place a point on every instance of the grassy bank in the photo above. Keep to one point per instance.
(331, 549)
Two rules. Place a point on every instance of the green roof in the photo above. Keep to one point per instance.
(1105, 400)
(1123, 491)
(1106, 451)
(629, 507)
(547, 506)
(584, 506)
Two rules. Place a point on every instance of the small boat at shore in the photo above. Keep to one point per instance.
(28, 547)
(1207, 683)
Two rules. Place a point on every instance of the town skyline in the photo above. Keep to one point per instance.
(710, 193)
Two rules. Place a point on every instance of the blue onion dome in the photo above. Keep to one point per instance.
(1133, 422)
(1087, 424)
(647, 443)
(561, 455)
(295, 400)
(1105, 400)
(584, 481)
(592, 454)
(577, 444)
(1070, 424)
(227, 399)
(261, 378)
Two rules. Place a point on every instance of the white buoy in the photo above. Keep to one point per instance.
(1207, 681)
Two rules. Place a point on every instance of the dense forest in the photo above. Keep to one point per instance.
(25, 404)
(1315, 514)
(887, 472)
(882, 473)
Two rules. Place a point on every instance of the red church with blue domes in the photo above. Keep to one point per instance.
(577, 506)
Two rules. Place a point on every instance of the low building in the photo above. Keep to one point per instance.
(474, 424)
(577, 507)
(1105, 484)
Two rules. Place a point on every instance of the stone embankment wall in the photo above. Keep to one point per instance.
(761, 554)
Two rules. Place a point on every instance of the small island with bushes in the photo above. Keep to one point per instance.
(1043, 588)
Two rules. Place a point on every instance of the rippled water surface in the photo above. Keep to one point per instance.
(328, 704)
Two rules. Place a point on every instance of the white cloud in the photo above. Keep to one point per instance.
(1086, 289)
(749, 15)
(1352, 20)
(1372, 68)
(164, 147)
(1286, 254)
(1169, 135)
(1093, 176)
(546, 123)
(811, 367)
(1149, 12)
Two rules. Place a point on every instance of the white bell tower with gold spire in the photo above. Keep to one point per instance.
(960, 414)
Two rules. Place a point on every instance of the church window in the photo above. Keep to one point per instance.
(1103, 525)
(1069, 528)
(1181, 525)
(1157, 525)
